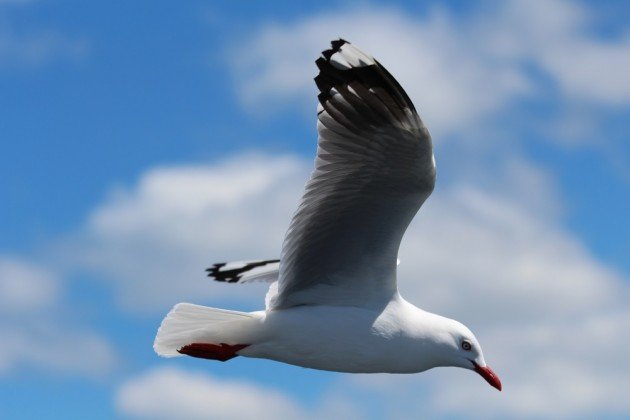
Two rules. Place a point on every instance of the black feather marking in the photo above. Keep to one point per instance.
(234, 275)
(335, 47)
(373, 78)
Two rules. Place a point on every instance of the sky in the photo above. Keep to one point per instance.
(141, 142)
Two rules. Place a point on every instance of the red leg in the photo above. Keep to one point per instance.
(222, 352)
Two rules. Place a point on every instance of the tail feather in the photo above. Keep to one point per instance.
(187, 323)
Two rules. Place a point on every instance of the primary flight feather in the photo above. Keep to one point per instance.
(333, 301)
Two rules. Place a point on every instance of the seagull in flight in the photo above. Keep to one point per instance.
(333, 302)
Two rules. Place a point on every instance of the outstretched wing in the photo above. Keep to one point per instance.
(374, 169)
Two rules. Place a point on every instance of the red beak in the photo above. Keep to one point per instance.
(489, 375)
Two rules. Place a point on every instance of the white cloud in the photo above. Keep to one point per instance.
(34, 331)
(25, 287)
(460, 70)
(155, 240)
(478, 242)
(52, 346)
(19, 49)
(445, 76)
(562, 43)
(175, 394)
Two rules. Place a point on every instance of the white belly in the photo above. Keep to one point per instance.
(343, 339)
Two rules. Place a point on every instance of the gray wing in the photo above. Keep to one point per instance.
(374, 169)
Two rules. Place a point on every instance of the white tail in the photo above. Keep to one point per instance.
(187, 323)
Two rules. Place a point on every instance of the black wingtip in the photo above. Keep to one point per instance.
(235, 274)
(374, 75)
(214, 273)
(336, 45)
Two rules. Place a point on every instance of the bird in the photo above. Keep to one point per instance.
(333, 302)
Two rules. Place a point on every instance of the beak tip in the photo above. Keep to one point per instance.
(489, 375)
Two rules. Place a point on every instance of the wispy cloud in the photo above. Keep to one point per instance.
(461, 71)
(154, 240)
(447, 79)
(35, 333)
(564, 45)
(46, 344)
(25, 287)
(17, 51)
(173, 394)
(22, 49)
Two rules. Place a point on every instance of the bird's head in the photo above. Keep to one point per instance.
(459, 347)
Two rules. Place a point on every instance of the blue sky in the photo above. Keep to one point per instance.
(142, 141)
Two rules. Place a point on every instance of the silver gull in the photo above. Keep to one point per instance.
(333, 303)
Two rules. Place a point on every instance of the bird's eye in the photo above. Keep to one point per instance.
(466, 345)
